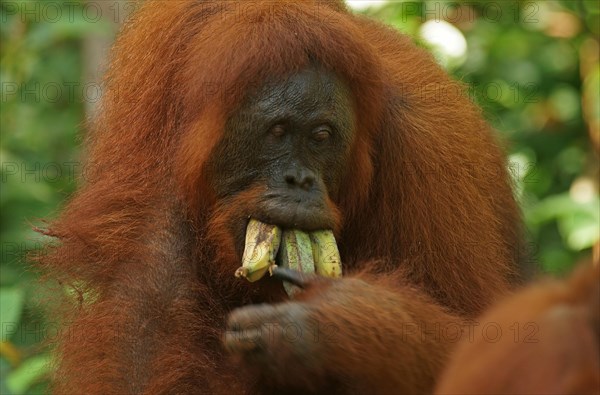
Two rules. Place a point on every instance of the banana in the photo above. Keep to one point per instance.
(262, 244)
(294, 249)
(325, 252)
(296, 253)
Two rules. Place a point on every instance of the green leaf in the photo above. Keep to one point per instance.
(30, 372)
(11, 307)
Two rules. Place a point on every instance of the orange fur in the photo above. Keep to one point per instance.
(426, 191)
(549, 345)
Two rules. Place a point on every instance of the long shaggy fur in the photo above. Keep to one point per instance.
(143, 241)
(549, 342)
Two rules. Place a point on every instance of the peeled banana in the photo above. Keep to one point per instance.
(262, 244)
(297, 250)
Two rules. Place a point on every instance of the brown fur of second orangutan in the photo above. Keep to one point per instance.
(427, 205)
(555, 351)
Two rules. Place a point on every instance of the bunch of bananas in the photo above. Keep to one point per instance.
(267, 245)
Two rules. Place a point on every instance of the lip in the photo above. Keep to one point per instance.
(295, 212)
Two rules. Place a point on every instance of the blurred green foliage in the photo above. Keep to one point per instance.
(43, 100)
(532, 66)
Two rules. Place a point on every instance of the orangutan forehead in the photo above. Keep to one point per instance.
(310, 89)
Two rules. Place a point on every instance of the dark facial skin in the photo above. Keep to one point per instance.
(292, 140)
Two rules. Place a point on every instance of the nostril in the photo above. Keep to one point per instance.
(307, 183)
(299, 178)
(290, 179)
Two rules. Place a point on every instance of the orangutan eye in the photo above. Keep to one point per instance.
(278, 130)
(321, 134)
